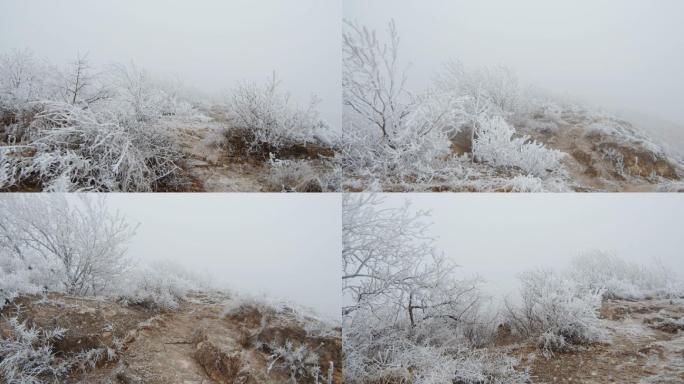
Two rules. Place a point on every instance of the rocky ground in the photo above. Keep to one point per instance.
(195, 343)
(644, 345)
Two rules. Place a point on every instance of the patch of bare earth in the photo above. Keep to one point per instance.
(195, 343)
(639, 349)
(598, 161)
(216, 169)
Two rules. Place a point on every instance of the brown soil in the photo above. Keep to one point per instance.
(193, 344)
(635, 352)
(219, 169)
(603, 162)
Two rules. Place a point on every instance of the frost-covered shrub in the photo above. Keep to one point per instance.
(293, 176)
(410, 156)
(22, 80)
(494, 91)
(618, 278)
(267, 120)
(158, 286)
(495, 144)
(428, 356)
(556, 311)
(27, 355)
(71, 130)
(298, 362)
(73, 149)
(28, 276)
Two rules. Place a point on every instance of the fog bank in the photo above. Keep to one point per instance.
(209, 44)
(622, 55)
(497, 236)
(286, 246)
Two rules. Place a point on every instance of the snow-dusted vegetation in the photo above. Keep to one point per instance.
(76, 129)
(73, 301)
(478, 130)
(411, 316)
(119, 128)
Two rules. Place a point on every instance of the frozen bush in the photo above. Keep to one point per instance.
(22, 80)
(495, 90)
(267, 120)
(27, 355)
(75, 149)
(618, 278)
(159, 286)
(293, 176)
(399, 356)
(556, 311)
(298, 362)
(495, 144)
(412, 156)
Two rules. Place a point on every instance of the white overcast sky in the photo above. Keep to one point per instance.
(624, 55)
(287, 246)
(210, 44)
(497, 236)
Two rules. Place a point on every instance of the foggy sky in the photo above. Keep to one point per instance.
(497, 236)
(210, 44)
(285, 245)
(626, 56)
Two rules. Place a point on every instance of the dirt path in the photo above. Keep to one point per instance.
(208, 163)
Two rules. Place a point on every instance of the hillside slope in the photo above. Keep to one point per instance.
(210, 338)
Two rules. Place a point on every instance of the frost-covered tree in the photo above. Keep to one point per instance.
(22, 79)
(373, 83)
(82, 241)
(386, 135)
(408, 318)
(77, 84)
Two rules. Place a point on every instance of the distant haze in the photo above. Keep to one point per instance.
(287, 246)
(209, 44)
(622, 55)
(497, 236)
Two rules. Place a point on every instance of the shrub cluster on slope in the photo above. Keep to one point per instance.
(475, 130)
(394, 137)
(72, 130)
(561, 310)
